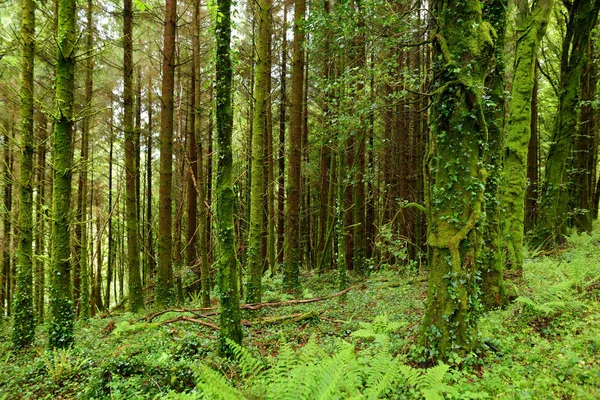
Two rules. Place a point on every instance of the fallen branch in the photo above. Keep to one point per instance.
(256, 306)
(293, 318)
(250, 306)
(193, 311)
(190, 319)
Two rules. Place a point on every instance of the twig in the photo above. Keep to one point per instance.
(189, 319)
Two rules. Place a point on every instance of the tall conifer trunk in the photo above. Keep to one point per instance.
(255, 259)
(60, 333)
(136, 300)
(24, 327)
(231, 328)
(164, 284)
(292, 249)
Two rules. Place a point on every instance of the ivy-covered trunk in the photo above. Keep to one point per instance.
(494, 109)
(463, 48)
(231, 328)
(552, 222)
(531, 25)
(24, 326)
(60, 332)
(255, 259)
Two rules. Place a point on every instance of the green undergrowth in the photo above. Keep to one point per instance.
(544, 345)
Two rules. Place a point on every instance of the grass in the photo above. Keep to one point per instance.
(545, 345)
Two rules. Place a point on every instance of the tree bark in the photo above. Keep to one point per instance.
(231, 328)
(60, 332)
(255, 259)
(136, 300)
(164, 285)
(463, 49)
(293, 249)
(532, 27)
(553, 216)
(24, 325)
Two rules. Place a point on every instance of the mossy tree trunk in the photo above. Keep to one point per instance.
(201, 185)
(281, 156)
(585, 153)
(531, 26)
(60, 333)
(463, 48)
(494, 110)
(24, 325)
(255, 259)
(553, 216)
(136, 300)
(231, 327)
(164, 283)
(293, 250)
(533, 161)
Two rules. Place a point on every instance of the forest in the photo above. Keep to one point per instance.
(299, 199)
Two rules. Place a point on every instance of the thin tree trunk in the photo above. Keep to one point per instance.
(231, 328)
(136, 299)
(531, 196)
(553, 215)
(164, 284)
(255, 259)
(281, 160)
(512, 191)
(293, 250)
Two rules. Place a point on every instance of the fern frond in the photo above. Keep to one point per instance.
(251, 366)
(214, 386)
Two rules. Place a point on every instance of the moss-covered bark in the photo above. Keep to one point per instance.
(293, 249)
(494, 110)
(463, 48)
(136, 300)
(255, 259)
(531, 26)
(231, 327)
(24, 325)
(202, 253)
(554, 210)
(165, 293)
(60, 332)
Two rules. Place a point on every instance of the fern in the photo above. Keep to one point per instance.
(311, 374)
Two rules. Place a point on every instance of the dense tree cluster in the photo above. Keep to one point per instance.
(436, 136)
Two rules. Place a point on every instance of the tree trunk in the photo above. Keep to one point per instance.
(255, 259)
(111, 241)
(552, 221)
(136, 300)
(231, 328)
(531, 195)
(24, 326)
(60, 332)
(293, 250)
(532, 23)
(202, 228)
(463, 48)
(494, 110)
(164, 284)
(281, 160)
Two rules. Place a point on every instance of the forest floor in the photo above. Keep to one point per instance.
(545, 344)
